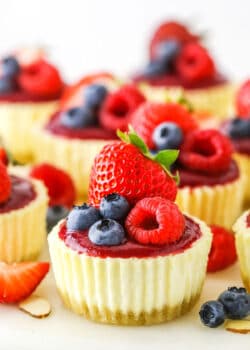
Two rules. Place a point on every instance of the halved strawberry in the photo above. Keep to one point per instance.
(73, 95)
(18, 281)
(4, 156)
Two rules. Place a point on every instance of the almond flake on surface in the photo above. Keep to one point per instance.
(35, 306)
(238, 326)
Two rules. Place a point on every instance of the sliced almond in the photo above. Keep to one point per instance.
(35, 306)
(238, 326)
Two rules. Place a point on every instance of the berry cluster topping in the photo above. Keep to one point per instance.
(152, 221)
(155, 220)
(175, 51)
(5, 183)
(243, 100)
(233, 303)
(223, 251)
(163, 125)
(61, 189)
(91, 103)
(206, 151)
(121, 166)
(38, 79)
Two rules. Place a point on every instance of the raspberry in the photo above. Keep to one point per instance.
(4, 156)
(118, 107)
(41, 79)
(194, 63)
(223, 252)
(170, 30)
(149, 115)
(5, 184)
(206, 151)
(155, 220)
(60, 186)
(243, 100)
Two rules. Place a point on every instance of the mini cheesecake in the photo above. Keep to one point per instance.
(130, 284)
(22, 220)
(29, 93)
(242, 235)
(179, 62)
(210, 197)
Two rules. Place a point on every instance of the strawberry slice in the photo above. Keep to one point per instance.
(73, 95)
(18, 281)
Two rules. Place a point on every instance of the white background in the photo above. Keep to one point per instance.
(87, 35)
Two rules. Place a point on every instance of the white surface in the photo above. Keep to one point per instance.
(89, 35)
(65, 330)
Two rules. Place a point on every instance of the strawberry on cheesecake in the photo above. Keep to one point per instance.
(130, 256)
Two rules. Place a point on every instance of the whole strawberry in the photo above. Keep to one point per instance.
(243, 100)
(127, 168)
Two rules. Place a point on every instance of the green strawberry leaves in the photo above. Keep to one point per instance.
(165, 158)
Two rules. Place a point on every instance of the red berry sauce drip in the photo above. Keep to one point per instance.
(79, 242)
(22, 193)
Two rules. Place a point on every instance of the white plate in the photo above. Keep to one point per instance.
(65, 330)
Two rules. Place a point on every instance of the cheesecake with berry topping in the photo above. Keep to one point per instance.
(242, 235)
(130, 257)
(238, 129)
(29, 92)
(209, 177)
(90, 113)
(23, 204)
(179, 62)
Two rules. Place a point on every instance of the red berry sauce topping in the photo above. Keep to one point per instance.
(22, 193)
(79, 242)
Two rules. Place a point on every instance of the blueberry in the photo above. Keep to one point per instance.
(10, 67)
(212, 314)
(154, 69)
(114, 206)
(167, 51)
(236, 302)
(78, 117)
(6, 85)
(55, 214)
(239, 128)
(106, 232)
(167, 136)
(82, 217)
(94, 95)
